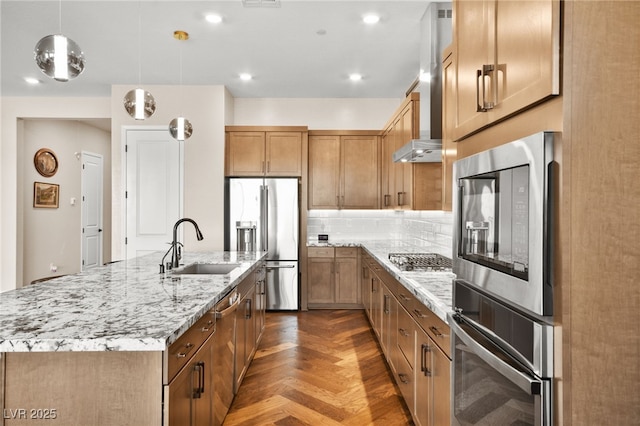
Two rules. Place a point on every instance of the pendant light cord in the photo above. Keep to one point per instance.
(60, 17)
(139, 43)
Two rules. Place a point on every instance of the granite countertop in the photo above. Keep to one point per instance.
(124, 306)
(433, 289)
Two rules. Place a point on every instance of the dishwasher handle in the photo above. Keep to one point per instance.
(231, 309)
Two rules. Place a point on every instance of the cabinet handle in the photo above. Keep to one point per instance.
(486, 71)
(419, 314)
(373, 287)
(208, 326)
(403, 297)
(268, 166)
(387, 200)
(199, 389)
(423, 361)
(436, 331)
(188, 348)
(386, 304)
(247, 309)
(403, 378)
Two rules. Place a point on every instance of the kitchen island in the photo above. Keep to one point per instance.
(91, 348)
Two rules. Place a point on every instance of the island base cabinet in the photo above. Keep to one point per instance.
(83, 388)
(189, 396)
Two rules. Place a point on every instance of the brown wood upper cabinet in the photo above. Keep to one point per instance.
(263, 153)
(500, 71)
(343, 170)
(408, 186)
(449, 148)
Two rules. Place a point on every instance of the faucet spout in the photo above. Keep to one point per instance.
(175, 257)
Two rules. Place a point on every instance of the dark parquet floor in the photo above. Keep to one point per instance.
(319, 367)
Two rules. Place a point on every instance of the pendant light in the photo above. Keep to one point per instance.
(139, 103)
(180, 128)
(58, 56)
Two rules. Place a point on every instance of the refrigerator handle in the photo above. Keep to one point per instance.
(264, 218)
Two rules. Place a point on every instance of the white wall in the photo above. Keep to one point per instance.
(53, 236)
(11, 160)
(205, 107)
(317, 114)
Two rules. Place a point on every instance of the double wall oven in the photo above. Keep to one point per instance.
(502, 325)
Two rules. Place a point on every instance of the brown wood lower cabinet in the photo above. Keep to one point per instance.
(191, 391)
(333, 279)
(415, 343)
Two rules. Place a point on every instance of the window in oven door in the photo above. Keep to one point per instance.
(490, 388)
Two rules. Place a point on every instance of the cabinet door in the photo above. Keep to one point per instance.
(347, 280)
(471, 40)
(388, 170)
(433, 382)
(320, 280)
(260, 307)
(245, 153)
(376, 304)
(359, 172)
(527, 68)
(423, 396)
(365, 281)
(284, 154)
(324, 172)
(410, 130)
(507, 59)
(449, 148)
(190, 392)
(441, 377)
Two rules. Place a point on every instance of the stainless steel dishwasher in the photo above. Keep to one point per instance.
(224, 356)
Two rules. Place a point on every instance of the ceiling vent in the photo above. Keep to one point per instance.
(261, 3)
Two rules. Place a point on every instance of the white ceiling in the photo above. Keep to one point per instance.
(280, 46)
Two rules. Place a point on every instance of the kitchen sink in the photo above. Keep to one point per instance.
(206, 269)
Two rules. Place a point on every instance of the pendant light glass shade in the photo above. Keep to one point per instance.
(139, 104)
(180, 128)
(59, 57)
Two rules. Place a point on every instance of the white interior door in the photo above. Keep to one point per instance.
(92, 184)
(153, 190)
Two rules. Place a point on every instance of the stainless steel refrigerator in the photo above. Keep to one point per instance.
(272, 206)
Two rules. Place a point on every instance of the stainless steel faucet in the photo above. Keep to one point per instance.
(175, 249)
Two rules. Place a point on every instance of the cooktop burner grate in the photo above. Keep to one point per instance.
(420, 261)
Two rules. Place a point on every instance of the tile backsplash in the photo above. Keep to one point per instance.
(420, 228)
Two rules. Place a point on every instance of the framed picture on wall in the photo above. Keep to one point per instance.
(46, 162)
(45, 195)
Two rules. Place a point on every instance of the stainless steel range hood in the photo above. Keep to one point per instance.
(435, 36)
(420, 151)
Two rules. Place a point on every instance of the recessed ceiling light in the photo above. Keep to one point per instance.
(355, 77)
(213, 18)
(371, 19)
(32, 80)
(245, 76)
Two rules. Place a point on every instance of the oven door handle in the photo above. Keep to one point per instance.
(524, 381)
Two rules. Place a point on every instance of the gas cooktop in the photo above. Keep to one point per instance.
(421, 262)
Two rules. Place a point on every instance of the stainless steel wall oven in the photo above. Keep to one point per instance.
(502, 325)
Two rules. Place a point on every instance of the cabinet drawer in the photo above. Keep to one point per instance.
(406, 336)
(405, 380)
(320, 252)
(182, 350)
(437, 329)
(346, 252)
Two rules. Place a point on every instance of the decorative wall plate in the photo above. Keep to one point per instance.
(46, 162)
